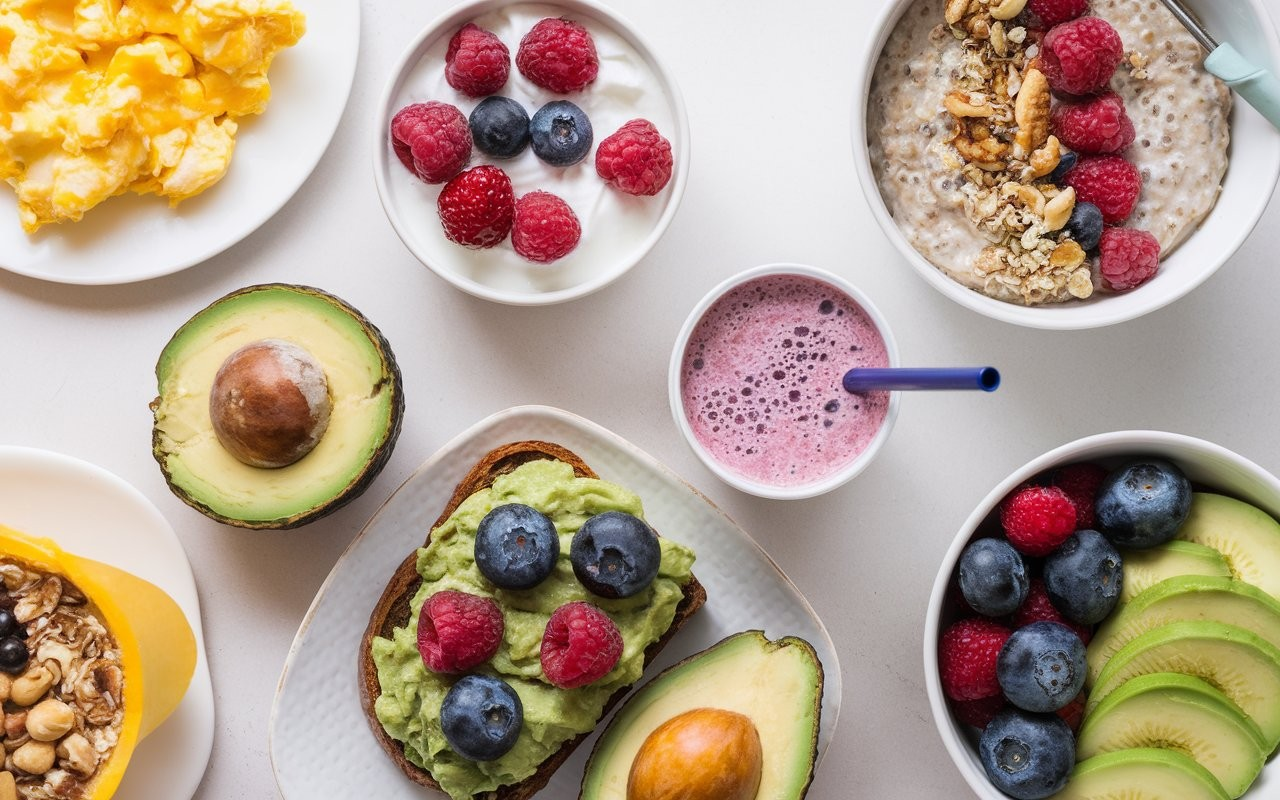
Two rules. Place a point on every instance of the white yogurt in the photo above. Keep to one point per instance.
(615, 225)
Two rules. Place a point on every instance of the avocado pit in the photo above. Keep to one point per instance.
(702, 754)
(270, 403)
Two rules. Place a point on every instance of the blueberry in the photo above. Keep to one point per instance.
(1042, 666)
(8, 623)
(561, 133)
(1027, 756)
(499, 127)
(615, 554)
(1065, 165)
(1143, 503)
(481, 717)
(516, 546)
(13, 655)
(993, 577)
(1085, 226)
(1084, 576)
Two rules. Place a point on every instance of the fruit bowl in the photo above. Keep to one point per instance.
(1254, 164)
(1209, 467)
(617, 229)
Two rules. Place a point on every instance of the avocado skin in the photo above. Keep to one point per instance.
(372, 467)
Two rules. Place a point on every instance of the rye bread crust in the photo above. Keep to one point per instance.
(392, 611)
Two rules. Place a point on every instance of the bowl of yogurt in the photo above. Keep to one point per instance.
(755, 381)
(617, 229)
(954, 232)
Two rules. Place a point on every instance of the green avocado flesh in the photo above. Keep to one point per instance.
(1141, 774)
(1238, 663)
(409, 706)
(1178, 712)
(1186, 598)
(776, 684)
(1145, 568)
(1246, 536)
(364, 387)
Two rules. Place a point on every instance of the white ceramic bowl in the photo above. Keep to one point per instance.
(617, 229)
(733, 478)
(1246, 190)
(1203, 462)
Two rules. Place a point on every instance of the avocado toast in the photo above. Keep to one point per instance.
(395, 612)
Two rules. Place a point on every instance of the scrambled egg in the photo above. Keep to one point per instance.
(102, 96)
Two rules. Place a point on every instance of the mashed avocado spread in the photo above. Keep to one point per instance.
(409, 707)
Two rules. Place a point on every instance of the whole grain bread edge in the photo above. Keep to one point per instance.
(392, 611)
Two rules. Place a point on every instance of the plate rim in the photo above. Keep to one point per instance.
(201, 686)
(188, 259)
(832, 672)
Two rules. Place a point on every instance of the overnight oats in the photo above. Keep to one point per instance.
(61, 684)
(1043, 151)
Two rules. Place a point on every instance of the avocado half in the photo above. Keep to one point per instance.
(364, 384)
(778, 685)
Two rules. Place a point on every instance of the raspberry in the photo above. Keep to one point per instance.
(1094, 125)
(979, 713)
(1080, 56)
(545, 228)
(1055, 12)
(1128, 258)
(1110, 183)
(1080, 482)
(458, 631)
(477, 63)
(635, 159)
(477, 206)
(1073, 713)
(432, 140)
(580, 645)
(1037, 519)
(558, 55)
(967, 659)
(1039, 608)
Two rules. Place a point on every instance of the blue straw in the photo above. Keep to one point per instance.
(986, 379)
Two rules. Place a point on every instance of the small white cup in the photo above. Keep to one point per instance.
(735, 479)
(1203, 462)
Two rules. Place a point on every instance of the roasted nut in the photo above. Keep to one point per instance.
(1057, 212)
(961, 106)
(77, 755)
(956, 10)
(15, 724)
(50, 720)
(1031, 111)
(40, 601)
(28, 689)
(998, 41)
(52, 650)
(1007, 9)
(35, 758)
(1047, 158)
(8, 786)
(1029, 196)
(6, 686)
(976, 145)
(1067, 255)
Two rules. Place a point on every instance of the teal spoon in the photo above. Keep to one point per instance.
(1256, 85)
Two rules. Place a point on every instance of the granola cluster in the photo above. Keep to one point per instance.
(62, 714)
(1001, 146)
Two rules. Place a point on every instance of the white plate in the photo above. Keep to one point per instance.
(92, 513)
(317, 692)
(617, 229)
(135, 237)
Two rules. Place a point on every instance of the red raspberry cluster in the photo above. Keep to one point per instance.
(478, 207)
(1079, 56)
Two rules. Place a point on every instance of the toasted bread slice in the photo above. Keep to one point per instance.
(392, 611)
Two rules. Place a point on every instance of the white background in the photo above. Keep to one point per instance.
(769, 90)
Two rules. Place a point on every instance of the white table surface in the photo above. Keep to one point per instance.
(769, 90)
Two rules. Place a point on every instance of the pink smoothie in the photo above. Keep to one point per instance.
(761, 380)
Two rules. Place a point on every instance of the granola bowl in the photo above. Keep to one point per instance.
(1208, 465)
(1202, 201)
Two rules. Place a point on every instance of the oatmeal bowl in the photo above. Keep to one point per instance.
(1063, 171)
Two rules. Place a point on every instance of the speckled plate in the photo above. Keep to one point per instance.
(320, 743)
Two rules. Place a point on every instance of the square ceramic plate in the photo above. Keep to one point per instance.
(320, 742)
